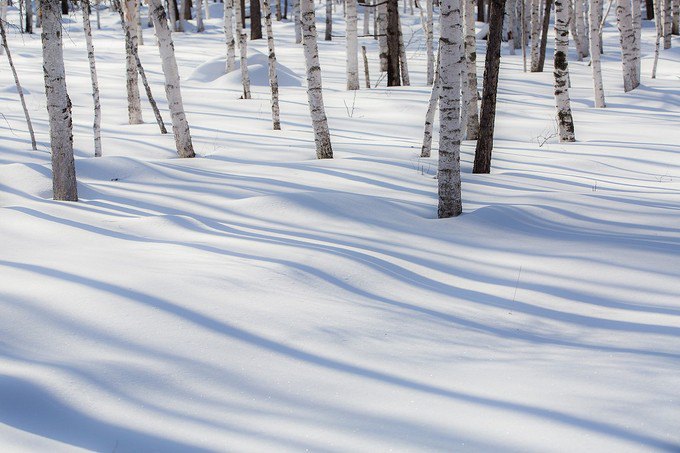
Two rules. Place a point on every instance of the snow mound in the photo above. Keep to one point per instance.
(25, 179)
(215, 69)
(13, 89)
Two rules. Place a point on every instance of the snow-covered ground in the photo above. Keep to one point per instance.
(257, 299)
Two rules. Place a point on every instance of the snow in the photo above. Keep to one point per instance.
(258, 299)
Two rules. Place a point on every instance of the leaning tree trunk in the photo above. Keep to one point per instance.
(544, 35)
(255, 20)
(565, 122)
(5, 46)
(322, 136)
(352, 46)
(229, 34)
(470, 111)
(426, 149)
(3, 17)
(96, 127)
(393, 78)
(329, 20)
(491, 66)
(296, 21)
(630, 49)
(58, 105)
(452, 63)
(595, 50)
(381, 30)
(273, 79)
(535, 33)
(132, 85)
(180, 126)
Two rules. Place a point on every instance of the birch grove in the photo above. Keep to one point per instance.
(322, 135)
(64, 186)
(180, 126)
(565, 122)
(451, 65)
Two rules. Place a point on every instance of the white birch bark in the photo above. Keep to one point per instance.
(510, 19)
(352, 46)
(138, 14)
(229, 34)
(99, 21)
(96, 126)
(3, 17)
(297, 23)
(637, 28)
(367, 76)
(594, 39)
(64, 184)
(658, 24)
(322, 136)
(581, 43)
(429, 42)
(426, 149)
(273, 79)
(565, 122)
(403, 63)
(536, 22)
(245, 77)
(200, 27)
(675, 28)
(367, 17)
(132, 85)
(470, 96)
(207, 9)
(667, 23)
(180, 126)
(451, 64)
(630, 49)
(381, 19)
(20, 91)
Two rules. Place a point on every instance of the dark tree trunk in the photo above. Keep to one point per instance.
(491, 65)
(544, 34)
(480, 10)
(255, 20)
(64, 7)
(186, 9)
(285, 9)
(243, 13)
(393, 74)
(649, 7)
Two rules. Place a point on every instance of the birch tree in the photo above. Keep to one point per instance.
(367, 16)
(273, 79)
(322, 136)
(426, 149)
(132, 85)
(180, 126)
(3, 18)
(667, 23)
(20, 90)
(630, 48)
(451, 65)
(535, 33)
(352, 46)
(429, 43)
(403, 62)
(470, 111)
(96, 127)
(594, 38)
(658, 25)
(243, 48)
(565, 122)
(580, 36)
(544, 34)
(296, 21)
(229, 34)
(58, 105)
(200, 28)
(29, 16)
(329, 20)
(393, 68)
(381, 27)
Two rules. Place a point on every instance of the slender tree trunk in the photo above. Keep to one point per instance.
(565, 122)
(138, 26)
(329, 20)
(130, 29)
(630, 49)
(29, 16)
(352, 46)
(367, 76)
(229, 34)
(658, 24)
(277, 4)
(173, 14)
(393, 75)
(186, 10)
(322, 136)
(96, 127)
(535, 33)
(367, 17)
(245, 77)
(243, 14)
(403, 62)
(480, 11)
(544, 35)
(429, 43)
(58, 105)
(470, 96)
(273, 79)
(207, 9)
(675, 29)
(381, 19)
(200, 28)
(5, 46)
(255, 20)
(180, 126)
(637, 28)
(297, 23)
(452, 63)
(649, 8)
(64, 7)
(667, 23)
(594, 39)
(510, 22)
(579, 37)
(426, 149)
(491, 66)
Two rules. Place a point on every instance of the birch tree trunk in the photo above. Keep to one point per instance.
(352, 46)
(535, 33)
(544, 34)
(29, 16)
(452, 63)
(675, 29)
(429, 43)
(245, 77)
(426, 149)
(5, 46)
(595, 51)
(96, 127)
(273, 79)
(637, 27)
(658, 24)
(367, 77)
(667, 23)
(510, 22)
(470, 111)
(403, 63)
(565, 122)
(130, 28)
(296, 19)
(367, 17)
(630, 49)
(581, 44)
(3, 17)
(381, 19)
(207, 9)
(322, 136)
(229, 34)
(329, 20)
(393, 75)
(138, 25)
(200, 28)
(490, 90)
(180, 126)
(255, 20)
(58, 105)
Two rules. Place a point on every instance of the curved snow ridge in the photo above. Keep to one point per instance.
(258, 70)
(111, 168)
(22, 179)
